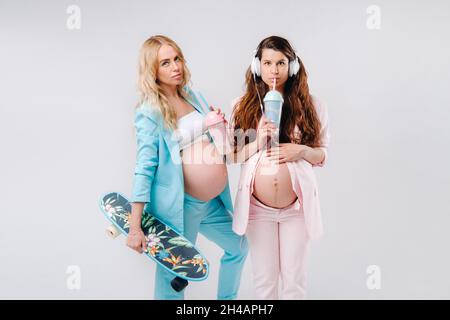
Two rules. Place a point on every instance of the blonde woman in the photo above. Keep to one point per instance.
(179, 176)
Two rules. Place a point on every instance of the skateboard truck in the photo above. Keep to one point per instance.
(179, 284)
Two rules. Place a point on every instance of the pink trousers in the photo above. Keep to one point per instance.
(278, 249)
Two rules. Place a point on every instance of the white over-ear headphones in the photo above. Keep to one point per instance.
(255, 67)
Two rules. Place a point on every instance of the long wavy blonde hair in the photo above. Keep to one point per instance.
(149, 89)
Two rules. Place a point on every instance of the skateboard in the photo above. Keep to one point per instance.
(166, 247)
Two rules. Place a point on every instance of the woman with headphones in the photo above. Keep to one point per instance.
(277, 202)
(180, 177)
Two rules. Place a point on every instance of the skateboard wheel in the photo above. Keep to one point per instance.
(179, 284)
(112, 231)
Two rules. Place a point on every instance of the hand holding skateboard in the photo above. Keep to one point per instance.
(162, 244)
(136, 240)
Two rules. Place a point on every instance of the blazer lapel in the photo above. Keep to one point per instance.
(194, 101)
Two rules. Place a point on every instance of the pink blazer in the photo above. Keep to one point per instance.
(303, 181)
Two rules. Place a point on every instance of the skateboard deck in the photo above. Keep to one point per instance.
(164, 246)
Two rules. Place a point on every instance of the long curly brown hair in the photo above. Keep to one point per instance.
(298, 108)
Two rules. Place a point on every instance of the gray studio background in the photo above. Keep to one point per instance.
(66, 133)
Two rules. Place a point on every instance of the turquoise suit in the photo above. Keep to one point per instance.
(159, 182)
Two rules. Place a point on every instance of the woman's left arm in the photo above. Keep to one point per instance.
(322, 111)
(315, 156)
(291, 152)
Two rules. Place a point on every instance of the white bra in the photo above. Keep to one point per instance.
(189, 129)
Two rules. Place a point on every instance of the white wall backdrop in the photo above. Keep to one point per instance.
(66, 132)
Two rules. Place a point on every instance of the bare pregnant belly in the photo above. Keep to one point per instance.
(272, 185)
(205, 173)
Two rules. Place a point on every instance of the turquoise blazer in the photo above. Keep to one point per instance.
(158, 175)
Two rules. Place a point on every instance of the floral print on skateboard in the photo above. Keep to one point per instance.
(164, 245)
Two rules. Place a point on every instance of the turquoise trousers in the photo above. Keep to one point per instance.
(212, 220)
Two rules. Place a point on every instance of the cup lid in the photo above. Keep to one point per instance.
(273, 95)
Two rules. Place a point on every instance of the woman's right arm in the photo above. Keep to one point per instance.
(264, 130)
(136, 238)
(147, 137)
(244, 153)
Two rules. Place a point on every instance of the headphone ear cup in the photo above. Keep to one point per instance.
(291, 68)
(297, 65)
(256, 66)
(294, 67)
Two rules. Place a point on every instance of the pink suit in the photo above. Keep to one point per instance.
(279, 238)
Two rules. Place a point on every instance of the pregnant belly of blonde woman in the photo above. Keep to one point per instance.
(272, 184)
(205, 173)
